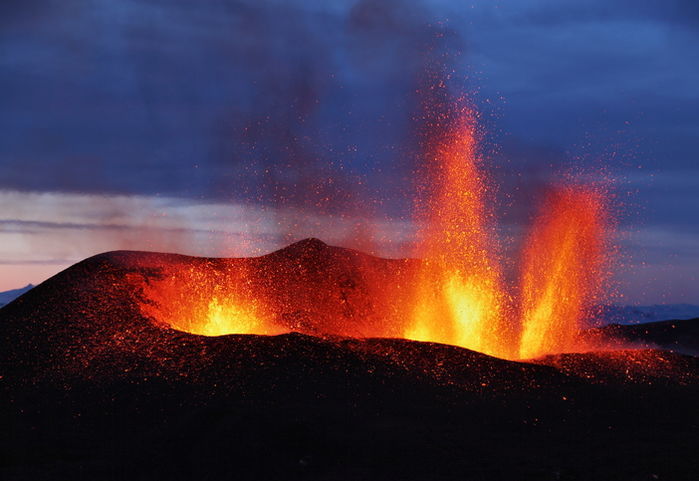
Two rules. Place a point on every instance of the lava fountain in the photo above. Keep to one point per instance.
(456, 294)
(562, 270)
(459, 295)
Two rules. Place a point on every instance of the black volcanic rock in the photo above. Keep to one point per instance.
(91, 388)
(675, 335)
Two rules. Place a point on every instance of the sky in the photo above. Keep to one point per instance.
(233, 127)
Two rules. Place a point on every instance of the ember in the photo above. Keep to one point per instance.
(456, 295)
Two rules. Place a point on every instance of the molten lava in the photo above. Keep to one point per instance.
(455, 295)
(459, 294)
(562, 271)
(209, 302)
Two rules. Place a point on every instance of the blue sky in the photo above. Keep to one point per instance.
(235, 126)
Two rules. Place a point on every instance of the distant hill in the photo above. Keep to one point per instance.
(681, 335)
(641, 314)
(8, 296)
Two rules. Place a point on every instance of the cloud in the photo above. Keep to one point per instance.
(75, 226)
(242, 100)
(551, 12)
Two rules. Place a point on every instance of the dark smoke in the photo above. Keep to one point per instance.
(338, 111)
(311, 111)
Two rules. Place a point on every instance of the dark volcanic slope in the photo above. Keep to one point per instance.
(675, 335)
(91, 389)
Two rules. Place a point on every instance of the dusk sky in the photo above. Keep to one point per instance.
(234, 127)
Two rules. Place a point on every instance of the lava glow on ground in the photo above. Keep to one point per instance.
(457, 294)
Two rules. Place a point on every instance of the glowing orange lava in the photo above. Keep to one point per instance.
(455, 295)
(459, 295)
(209, 302)
(562, 270)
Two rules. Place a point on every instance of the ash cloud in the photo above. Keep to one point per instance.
(308, 111)
(257, 101)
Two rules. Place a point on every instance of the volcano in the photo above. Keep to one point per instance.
(104, 376)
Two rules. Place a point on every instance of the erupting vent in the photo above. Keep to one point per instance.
(457, 294)
(461, 297)
(209, 302)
